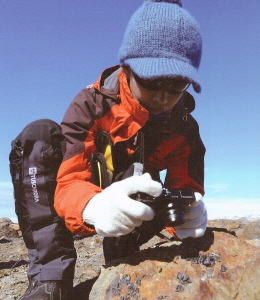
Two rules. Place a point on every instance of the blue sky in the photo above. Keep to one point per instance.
(50, 50)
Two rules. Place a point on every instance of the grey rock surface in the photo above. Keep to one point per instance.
(90, 262)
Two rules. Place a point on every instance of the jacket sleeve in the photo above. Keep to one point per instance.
(183, 157)
(186, 163)
(74, 187)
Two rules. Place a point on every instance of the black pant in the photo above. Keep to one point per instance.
(34, 161)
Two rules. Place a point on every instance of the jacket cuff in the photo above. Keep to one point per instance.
(172, 231)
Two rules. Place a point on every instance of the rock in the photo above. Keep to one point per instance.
(217, 266)
(6, 229)
(210, 267)
(246, 230)
(15, 227)
(4, 240)
(14, 264)
(254, 242)
(5, 220)
(230, 225)
(243, 220)
(251, 231)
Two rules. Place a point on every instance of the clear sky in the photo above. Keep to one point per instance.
(50, 50)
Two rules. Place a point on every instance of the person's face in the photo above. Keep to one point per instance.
(158, 95)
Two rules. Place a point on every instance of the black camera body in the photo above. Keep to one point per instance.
(169, 206)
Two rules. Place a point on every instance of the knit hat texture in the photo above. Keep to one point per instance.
(162, 40)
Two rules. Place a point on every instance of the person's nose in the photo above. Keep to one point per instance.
(161, 97)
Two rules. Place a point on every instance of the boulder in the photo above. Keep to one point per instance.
(217, 266)
(250, 232)
(7, 229)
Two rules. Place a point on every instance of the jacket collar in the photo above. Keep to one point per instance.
(113, 83)
(107, 83)
(130, 114)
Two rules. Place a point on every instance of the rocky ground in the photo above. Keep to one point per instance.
(14, 259)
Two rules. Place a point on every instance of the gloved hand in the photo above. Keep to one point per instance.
(114, 213)
(195, 219)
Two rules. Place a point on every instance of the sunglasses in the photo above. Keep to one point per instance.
(172, 86)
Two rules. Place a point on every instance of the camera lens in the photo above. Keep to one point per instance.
(174, 218)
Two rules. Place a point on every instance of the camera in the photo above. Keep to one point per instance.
(169, 206)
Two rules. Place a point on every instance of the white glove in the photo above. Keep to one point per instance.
(195, 219)
(114, 213)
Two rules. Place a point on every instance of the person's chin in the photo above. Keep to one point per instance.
(156, 111)
(153, 110)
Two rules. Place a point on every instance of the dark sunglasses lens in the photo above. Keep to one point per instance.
(151, 85)
(178, 87)
(148, 84)
(172, 86)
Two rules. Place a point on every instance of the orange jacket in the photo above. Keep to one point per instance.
(100, 107)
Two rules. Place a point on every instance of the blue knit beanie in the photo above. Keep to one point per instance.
(162, 40)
